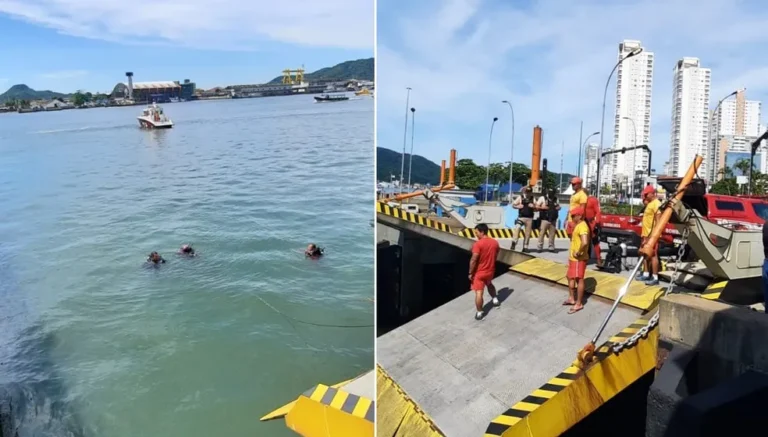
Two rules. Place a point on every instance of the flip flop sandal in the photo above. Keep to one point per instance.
(575, 310)
(566, 303)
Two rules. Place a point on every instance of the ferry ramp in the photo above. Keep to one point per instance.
(511, 374)
(463, 373)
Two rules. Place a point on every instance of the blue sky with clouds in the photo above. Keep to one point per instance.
(65, 45)
(551, 59)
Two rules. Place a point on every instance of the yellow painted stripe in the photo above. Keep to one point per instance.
(711, 296)
(525, 406)
(717, 285)
(319, 392)
(339, 399)
(507, 420)
(558, 381)
(362, 407)
(539, 393)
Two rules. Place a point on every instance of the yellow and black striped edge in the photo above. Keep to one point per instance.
(505, 233)
(398, 415)
(349, 403)
(522, 418)
(714, 290)
(411, 217)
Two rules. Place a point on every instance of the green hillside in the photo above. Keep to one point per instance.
(361, 69)
(388, 163)
(23, 92)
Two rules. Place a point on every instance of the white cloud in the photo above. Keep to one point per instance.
(551, 59)
(64, 74)
(223, 24)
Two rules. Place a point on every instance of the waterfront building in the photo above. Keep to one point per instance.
(690, 116)
(736, 125)
(632, 120)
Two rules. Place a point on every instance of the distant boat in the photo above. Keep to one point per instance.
(331, 98)
(154, 118)
(363, 92)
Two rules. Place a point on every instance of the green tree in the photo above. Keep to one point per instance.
(79, 99)
(743, 166)
(726, 186)
(469, 175)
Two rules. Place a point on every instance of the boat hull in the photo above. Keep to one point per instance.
(149, 124)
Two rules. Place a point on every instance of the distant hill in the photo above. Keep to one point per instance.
(388, 162)
(359, 69)
(23, 92)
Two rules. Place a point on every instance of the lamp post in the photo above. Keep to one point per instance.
(413, 129)
(634, 156)
(512, 148)
(405, 132)
(581, 148)
(488, 170)
(711, 119)
(634, 52)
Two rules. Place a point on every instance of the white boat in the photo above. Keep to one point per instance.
(153, 118)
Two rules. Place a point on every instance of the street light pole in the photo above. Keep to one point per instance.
(405, 132)
(713, 148)
(634, 156)
(488, 170)
(512, 149)
(635, 52)
(581, 147)
(413, 129)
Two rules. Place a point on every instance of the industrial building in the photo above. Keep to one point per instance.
(159, 91)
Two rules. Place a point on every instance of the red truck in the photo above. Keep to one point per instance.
(737, 212)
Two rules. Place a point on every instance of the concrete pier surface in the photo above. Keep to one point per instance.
(464, 372)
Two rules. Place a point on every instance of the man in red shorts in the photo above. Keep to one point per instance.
(482, 267)
(577, 261)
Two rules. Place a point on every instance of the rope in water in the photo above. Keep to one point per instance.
(322, 325)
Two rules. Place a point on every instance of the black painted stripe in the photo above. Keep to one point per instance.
(309, 392)
(328, 396)
(551, 387)
(496, 428)
(564, 375)
(516, 413)
(369, 415)
(350, 403)
(637, 326)
(534, 400)
(624, 334)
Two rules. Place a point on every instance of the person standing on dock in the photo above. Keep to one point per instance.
(578, 199)
(765, 266)
(525, 205)
(577, 260)
(549, 209)
(482, 268)
(592, 217)
(651, 212)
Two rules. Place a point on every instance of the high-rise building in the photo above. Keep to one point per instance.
(589, 168)
(736, 125)
(632, 119)
(690, 116)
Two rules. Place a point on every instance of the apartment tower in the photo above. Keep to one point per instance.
(632, 119)
(690, 116)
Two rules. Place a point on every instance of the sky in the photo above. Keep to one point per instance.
(67, 45)
(551, 60)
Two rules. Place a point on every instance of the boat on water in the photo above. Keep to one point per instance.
(363, 92)
(153, 118)
(331, 98)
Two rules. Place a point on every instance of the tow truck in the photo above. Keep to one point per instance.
(731, 212)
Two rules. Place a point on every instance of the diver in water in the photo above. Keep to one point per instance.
(313, 251)
(155, 258)
(187, 250)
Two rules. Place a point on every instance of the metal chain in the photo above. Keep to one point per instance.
(653, 321)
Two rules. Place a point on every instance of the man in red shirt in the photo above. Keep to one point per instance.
(592, 217)
(482, 268)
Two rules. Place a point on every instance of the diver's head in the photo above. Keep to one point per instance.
(187, 249)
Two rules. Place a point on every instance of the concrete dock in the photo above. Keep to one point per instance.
(464, 372)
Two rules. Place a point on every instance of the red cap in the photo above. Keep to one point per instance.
(576, 180)
(577, 211)
(648, 190)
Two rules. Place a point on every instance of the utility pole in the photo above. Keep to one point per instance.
(581, 133)
(562, 149)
